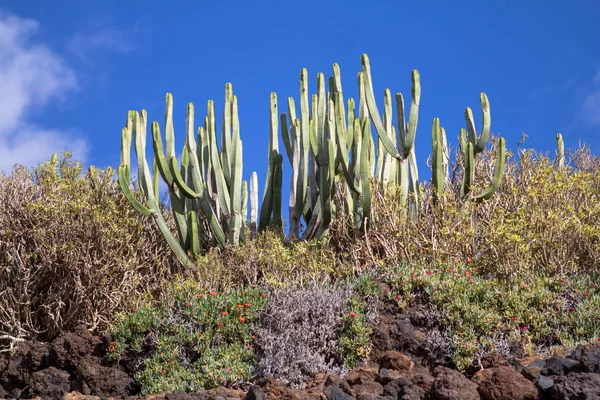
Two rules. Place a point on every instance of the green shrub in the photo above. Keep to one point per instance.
(479, 314)
(196, 340)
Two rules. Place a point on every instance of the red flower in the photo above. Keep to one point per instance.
(353, 314)
(162, 371)
(219, 324)
(513, 318)
(188, 305)
(469, 260)
(398, 298)
(111, 350)
(112, 343)
(429, 273)
(585, 293)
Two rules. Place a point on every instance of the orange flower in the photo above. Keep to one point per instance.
(253, 286)
(219, 324)
(134, 310)
(213, 293)
(111, 350)
(240, 306)
(223, 312)
(200, 295)
(172, 362)
(242, 319)
(248, 304)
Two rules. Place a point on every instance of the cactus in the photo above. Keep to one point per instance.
(560, 151)
(207, 182)
(471, 145)
(437, 173)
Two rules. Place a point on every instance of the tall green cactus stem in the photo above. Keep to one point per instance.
(445, 156)
(297, 150)
(177, 201)
(372, 106)
(479, 143)
(437, 173)
(560, 151)
(137, 123)
(365, 172)
(276, 222)
(469, 169)
(407, 133)
(253, 204)
(471, 145)
(488, 192)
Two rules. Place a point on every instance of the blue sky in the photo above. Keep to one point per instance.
(69, 73)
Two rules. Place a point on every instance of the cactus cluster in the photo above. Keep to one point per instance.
(329, 146)
(208, 196)
(470, 147)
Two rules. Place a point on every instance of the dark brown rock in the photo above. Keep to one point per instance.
(49, 383)
(507, 384)
(373, 388)
(452, 385)
(362, 374)
(575, 386)
(105, 381)
(397, 361)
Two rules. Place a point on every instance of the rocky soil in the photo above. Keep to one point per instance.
(75, 366)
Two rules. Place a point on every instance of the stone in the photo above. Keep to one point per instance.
(255, 393)
(590, 358)
(374, 388)
(397, 361)
(507, 384)
(452, 385)
(560, 366)
(363, 374)
(49, 383)
(545, 383)
(576, 385)
(394, 387)
(335, 393)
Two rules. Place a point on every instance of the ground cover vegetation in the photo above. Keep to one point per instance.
(500, 248)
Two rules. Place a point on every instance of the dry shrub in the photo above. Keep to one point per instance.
(299, 332)
(544, 220)
(270, 260)
(72, 251)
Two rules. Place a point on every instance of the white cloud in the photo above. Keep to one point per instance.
(591, 102)
(116, 40)
(31, 77)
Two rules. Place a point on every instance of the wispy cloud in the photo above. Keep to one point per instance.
(591, 102)
(111, 39)
(31, 77)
